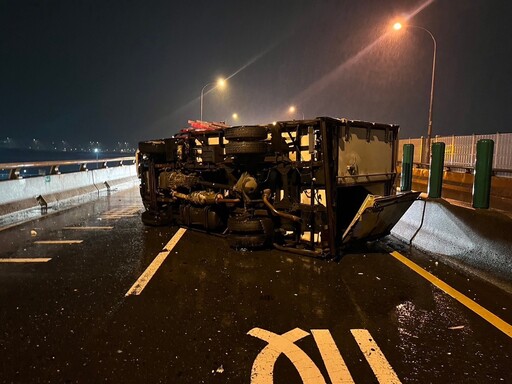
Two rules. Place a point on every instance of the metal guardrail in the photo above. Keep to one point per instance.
(54, 167)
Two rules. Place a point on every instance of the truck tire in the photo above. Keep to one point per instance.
(246, 147)
(249, 133)
(247, 241)
(236, 224)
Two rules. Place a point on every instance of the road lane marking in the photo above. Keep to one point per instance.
(115, 217)
(374, 356)
(336, 367)
(36, 260)
(122, 211)
(262, 371)
(58, 242)
(143, 280)
(89, 228)
(263, 367)
(119, 213)
(499, 323)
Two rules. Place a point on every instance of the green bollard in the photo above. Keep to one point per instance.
(435, 180)
(407, 165)
(483, 173)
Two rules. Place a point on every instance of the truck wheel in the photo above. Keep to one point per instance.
(236, 224)
(246, 147)
(247, 241)
(249, 133)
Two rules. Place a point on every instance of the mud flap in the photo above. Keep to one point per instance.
(377, 216)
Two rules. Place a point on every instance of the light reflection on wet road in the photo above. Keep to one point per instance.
(68, 320)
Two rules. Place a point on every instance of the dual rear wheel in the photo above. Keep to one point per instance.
(249, 232)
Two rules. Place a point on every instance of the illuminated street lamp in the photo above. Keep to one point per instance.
(397, 26)
(235, 116)
(220, 83)
(293, 109)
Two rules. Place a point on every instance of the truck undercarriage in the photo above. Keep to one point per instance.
(306, 186)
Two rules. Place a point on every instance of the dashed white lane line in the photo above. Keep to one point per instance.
(58, 242)
(105, 228)
(36, 260)
(144, 279)
(119, 213)
(116, 216)
(374, 356)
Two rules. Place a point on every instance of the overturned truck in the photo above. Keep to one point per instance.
(306, 186)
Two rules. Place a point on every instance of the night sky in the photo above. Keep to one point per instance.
(112, 71)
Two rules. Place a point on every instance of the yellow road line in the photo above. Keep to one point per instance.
(336, 367)
(89, 228)
(262, 371)
(499, 323)
(143, 280)
(37, 260)
(58, 242)
(374, 356)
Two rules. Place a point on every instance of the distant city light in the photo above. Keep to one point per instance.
(60, 145)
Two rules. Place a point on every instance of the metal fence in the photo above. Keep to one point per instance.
(460, 151)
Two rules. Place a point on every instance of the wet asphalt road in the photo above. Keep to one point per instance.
(69, 320)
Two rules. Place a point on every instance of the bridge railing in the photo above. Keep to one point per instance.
(460, 152)
(13, 171)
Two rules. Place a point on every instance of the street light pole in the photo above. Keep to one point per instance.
(218, 83)
(431, 106)
(202, 91)
(398, 26)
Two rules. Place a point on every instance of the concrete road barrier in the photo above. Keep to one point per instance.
(480, 239)
(18, 195)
